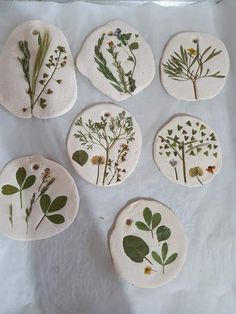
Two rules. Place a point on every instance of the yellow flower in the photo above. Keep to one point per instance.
(192, 51)
(97, 160)
(195, 172)
(147, 270)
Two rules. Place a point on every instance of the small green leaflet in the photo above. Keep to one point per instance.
(81, 157)
(150, 221)
(163, 233)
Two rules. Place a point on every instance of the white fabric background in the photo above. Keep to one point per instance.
(72, 273)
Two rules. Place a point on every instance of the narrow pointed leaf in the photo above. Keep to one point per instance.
(140, 225)
(20, 175)
(171, 259)
(147, 215)
(156, 219)
(45, 202)
(157, 258)
(9, 189)
(164, 251)
(29, 182)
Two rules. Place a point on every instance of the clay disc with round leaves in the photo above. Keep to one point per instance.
(187, 151)
(39, 77)
(194, 66)
(38, 198)
(117, 60)
(104, 144)
(148, 244)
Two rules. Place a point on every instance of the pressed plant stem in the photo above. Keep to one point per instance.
(152, 233)
(97, 175)
(148, 260)
(21, 205)
(199, 181)
(163, 269)
(105, 168)
(40, 222)
(176, 174)
(183, 163)
(195, 89)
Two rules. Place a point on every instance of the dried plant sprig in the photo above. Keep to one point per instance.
(190, 65)
(10, 209)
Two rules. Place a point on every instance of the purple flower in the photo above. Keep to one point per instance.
(173, 162)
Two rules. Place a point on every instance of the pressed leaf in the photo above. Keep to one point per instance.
(140, 225)
(157, 258)
(147, 215)
(58, 204)
(135, 248)
(134, 46)
(156, 219)
(20, 175)
(56, 219)
(171, 259)
(164, 251)
(9, 189)
(81, 157)
(29, 182)
(45, 202)
(163, 233)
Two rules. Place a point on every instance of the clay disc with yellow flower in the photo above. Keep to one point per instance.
(117, 60)
(187, 151)
(38, 198)
(37, 72)
(194, 66)
(148, 244)
(104, 144)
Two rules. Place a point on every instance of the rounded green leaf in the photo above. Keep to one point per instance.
(163, 233)
(81, 157)
(9, 189)
(135, 248)
(157, 257)
(134, 45)
(45, 202)
(171, 259)
(147, 215)
(20, 175)
(156, 219)
(140, 225)
(56, 219)
(29, 182)
(58, 204)
(164, 251)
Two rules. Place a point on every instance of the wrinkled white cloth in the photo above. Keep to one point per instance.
(72, 273)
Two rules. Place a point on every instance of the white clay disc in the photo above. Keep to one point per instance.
(39, 76)
(187, 151)
(194, 66)
(117, 60)
(44, 184)
(148, 245)
(104, 144)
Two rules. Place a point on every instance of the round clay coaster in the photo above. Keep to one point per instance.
(104, 144)
(39, 77)
(38, 198)
(117, 60)
(148, 245)
(187, 151)
(194, 66)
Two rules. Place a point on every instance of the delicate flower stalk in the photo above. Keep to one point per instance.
(196, 172)
(174, 163)
(11, 215)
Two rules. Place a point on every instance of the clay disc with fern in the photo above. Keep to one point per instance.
(187, 151)
(38, 198)
(117, 60)
(148, 244)
(37, 72)
(194, 66)
(104, 144)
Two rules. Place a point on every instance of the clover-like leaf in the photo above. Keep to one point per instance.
(9, 189)
(57, 204)
(171, 259)
(81, 157)
(164, 251)
(56, 219)
(156, 219)
(140, 225)
(20, 175)
(135, 248)
(147, 215)
(163, 233)
(29, 182)
(45, 202)
(157, 257)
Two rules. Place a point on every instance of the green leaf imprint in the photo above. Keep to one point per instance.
(29, 182)
(156, 219)
(147, 215)
(56, 219)
(135, 248)
(140, 225)
(163, 233)
(9, 189)
(81, 157)
(58, 204)
(20, 176)
(45, 202)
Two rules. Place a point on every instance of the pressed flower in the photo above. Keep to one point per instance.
(46, 174)
(117, 32)
(211, 169)
(192, 51)
(98, 160)
(173, 162)
(147, 270)
(195, 172)
(110, 43)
